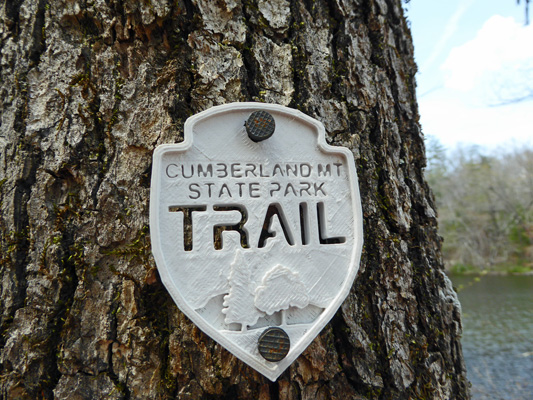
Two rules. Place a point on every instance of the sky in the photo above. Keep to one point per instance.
(475, 59)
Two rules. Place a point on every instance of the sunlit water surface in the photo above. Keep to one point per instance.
(498, 335)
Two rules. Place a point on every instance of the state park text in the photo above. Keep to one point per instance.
(254, 180)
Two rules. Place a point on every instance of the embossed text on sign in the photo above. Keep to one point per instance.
(256, 235)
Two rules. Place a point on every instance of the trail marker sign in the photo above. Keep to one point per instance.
(256, 229)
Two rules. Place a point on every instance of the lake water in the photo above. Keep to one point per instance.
(498, 335)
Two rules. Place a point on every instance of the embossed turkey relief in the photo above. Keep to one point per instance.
(256, 229)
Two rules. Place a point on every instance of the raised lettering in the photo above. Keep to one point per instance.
(194, 187)
(304, 223)
(221, 192)
(261, 172)
(183, 171)
(291, 169)
(172, 174)
(320, 213)
(240, 185)
(277, 189)
(304, 187)
(277, 170)
(305, 170)
(236, 171)
(338, 165)
(222, 170)
(209, 186)
(289, 185)
(250, 169)
(319, 188)
(274, 210)
(208, 171)
(239, 227)
(324, 170)
(253, 189)
(187, 222)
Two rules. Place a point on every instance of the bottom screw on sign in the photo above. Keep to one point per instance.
(274, 344)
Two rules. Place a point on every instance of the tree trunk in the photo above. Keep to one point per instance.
(89, 88)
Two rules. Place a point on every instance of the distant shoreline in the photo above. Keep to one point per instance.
(486, 272)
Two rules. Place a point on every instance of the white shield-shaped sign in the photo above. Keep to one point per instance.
(256, 229)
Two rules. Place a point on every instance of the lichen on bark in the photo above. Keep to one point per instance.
(89, 88)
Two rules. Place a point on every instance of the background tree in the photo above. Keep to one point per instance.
(485, 206)
(526, 6)
(89, 88)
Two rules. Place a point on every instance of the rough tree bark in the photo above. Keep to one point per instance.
(89, 88)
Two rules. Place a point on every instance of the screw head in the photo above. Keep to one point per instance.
(260, 126)
(274, 344)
